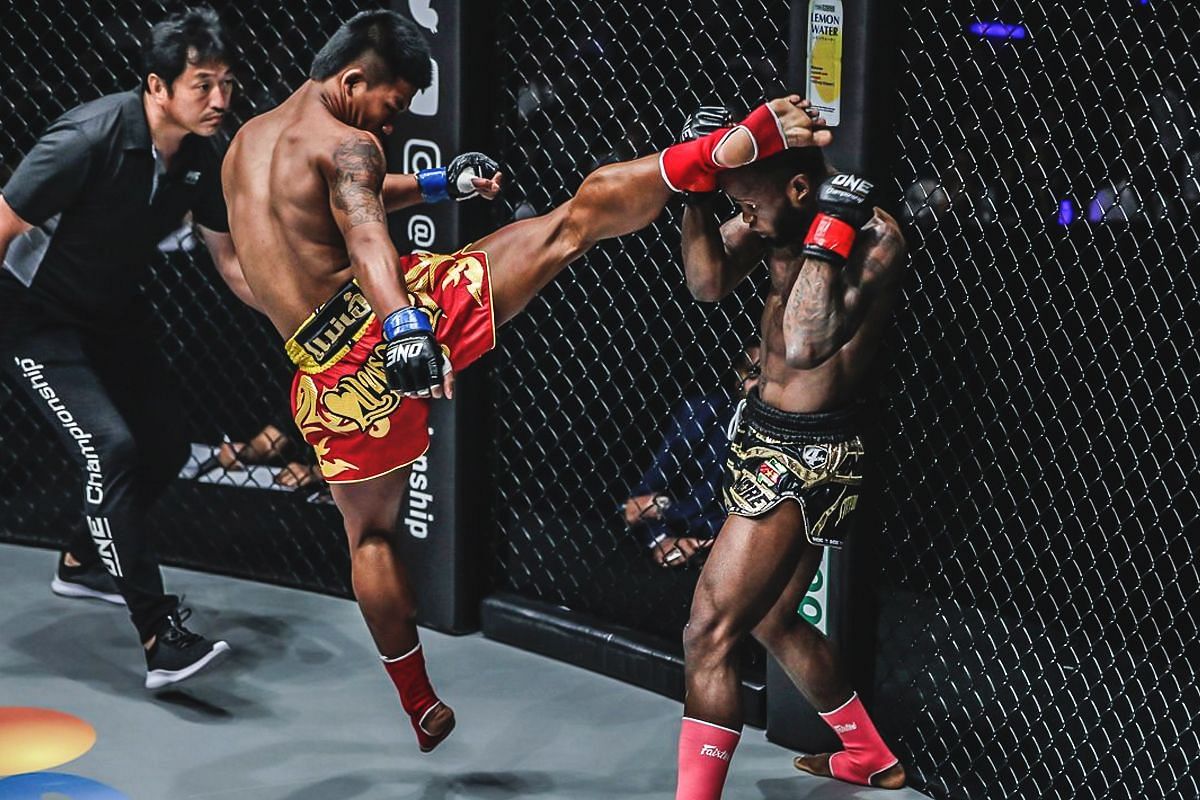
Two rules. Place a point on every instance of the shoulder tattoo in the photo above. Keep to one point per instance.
(358, 171)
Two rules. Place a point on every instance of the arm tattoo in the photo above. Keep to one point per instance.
(814, 314)
(358, 171)
(826, 305)
(881, 258)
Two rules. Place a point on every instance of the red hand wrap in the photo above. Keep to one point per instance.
(831, 233)
(690, 166)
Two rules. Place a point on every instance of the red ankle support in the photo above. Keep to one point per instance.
(691, 166)
(704, 754)
(416, 693)
(865, 752)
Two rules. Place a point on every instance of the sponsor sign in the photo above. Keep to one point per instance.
(825, 24)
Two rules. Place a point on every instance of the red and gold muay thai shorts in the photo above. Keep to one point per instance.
(340, 398)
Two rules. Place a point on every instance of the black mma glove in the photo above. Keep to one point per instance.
(704, 120)
(453, 181)
(701, 122)
(843, 206)
(412, 358)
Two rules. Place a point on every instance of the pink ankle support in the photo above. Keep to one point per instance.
(692, 167)
(864, 754)
(704, 753)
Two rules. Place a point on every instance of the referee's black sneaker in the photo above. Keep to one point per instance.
(85, 580)
(178, 653)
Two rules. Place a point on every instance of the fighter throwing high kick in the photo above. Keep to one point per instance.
(373, 333)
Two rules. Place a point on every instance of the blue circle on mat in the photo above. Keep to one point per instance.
(57, 785)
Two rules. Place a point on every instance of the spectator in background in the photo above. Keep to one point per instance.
(271, 446)
(675, 510)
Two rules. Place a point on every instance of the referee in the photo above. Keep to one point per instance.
(80, 219)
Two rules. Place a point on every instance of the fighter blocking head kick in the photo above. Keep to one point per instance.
(373, 333)
(796, 460)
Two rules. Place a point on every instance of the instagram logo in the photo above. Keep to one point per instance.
(421, 230)
(421, 154)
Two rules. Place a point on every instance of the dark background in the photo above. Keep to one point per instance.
(1037, 633)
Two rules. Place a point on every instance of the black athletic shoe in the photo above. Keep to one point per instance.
(177, 653)
(89, 580)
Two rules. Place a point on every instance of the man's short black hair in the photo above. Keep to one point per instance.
(393, 39)
(193, 36)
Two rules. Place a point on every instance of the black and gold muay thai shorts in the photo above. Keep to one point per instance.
(815, 459)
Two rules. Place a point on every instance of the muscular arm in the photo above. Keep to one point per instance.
(11, 226)
(716, 257)
(827, 304)
(356, 177)
(224, 256)
(400, 191)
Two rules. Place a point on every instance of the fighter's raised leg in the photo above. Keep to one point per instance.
(614, 200)
(625, 197)
(384, 594)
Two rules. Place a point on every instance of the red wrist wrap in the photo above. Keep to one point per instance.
(832, 234)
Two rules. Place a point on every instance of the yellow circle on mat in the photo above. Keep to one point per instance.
(34, 739)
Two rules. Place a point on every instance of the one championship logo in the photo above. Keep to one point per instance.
(409, 350)
(815, 456)
(852, 183)
(713, 751)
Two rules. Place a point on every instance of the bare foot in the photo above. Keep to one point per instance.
(802, 126)
(269, 443)
(436, 726)
(891, 778)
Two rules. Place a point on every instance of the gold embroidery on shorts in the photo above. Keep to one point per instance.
(422, 275)
(331, 331)
(359, 402)
(362, 400)
(330, 467)
(310, 421)
(467, 266)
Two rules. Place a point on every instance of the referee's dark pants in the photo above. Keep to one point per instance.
(106, 395)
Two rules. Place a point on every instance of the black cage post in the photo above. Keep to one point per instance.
(849, 66)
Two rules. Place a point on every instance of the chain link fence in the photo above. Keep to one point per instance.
(1041, 607)
(1038, 624)
(247, 520)
(1039, 595)
(588, 379)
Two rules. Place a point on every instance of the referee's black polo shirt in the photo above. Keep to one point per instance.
(93, 188)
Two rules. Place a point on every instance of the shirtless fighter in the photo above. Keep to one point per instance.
(796, 460)
(308, 195)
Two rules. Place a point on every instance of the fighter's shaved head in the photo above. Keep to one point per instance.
(774, 173)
